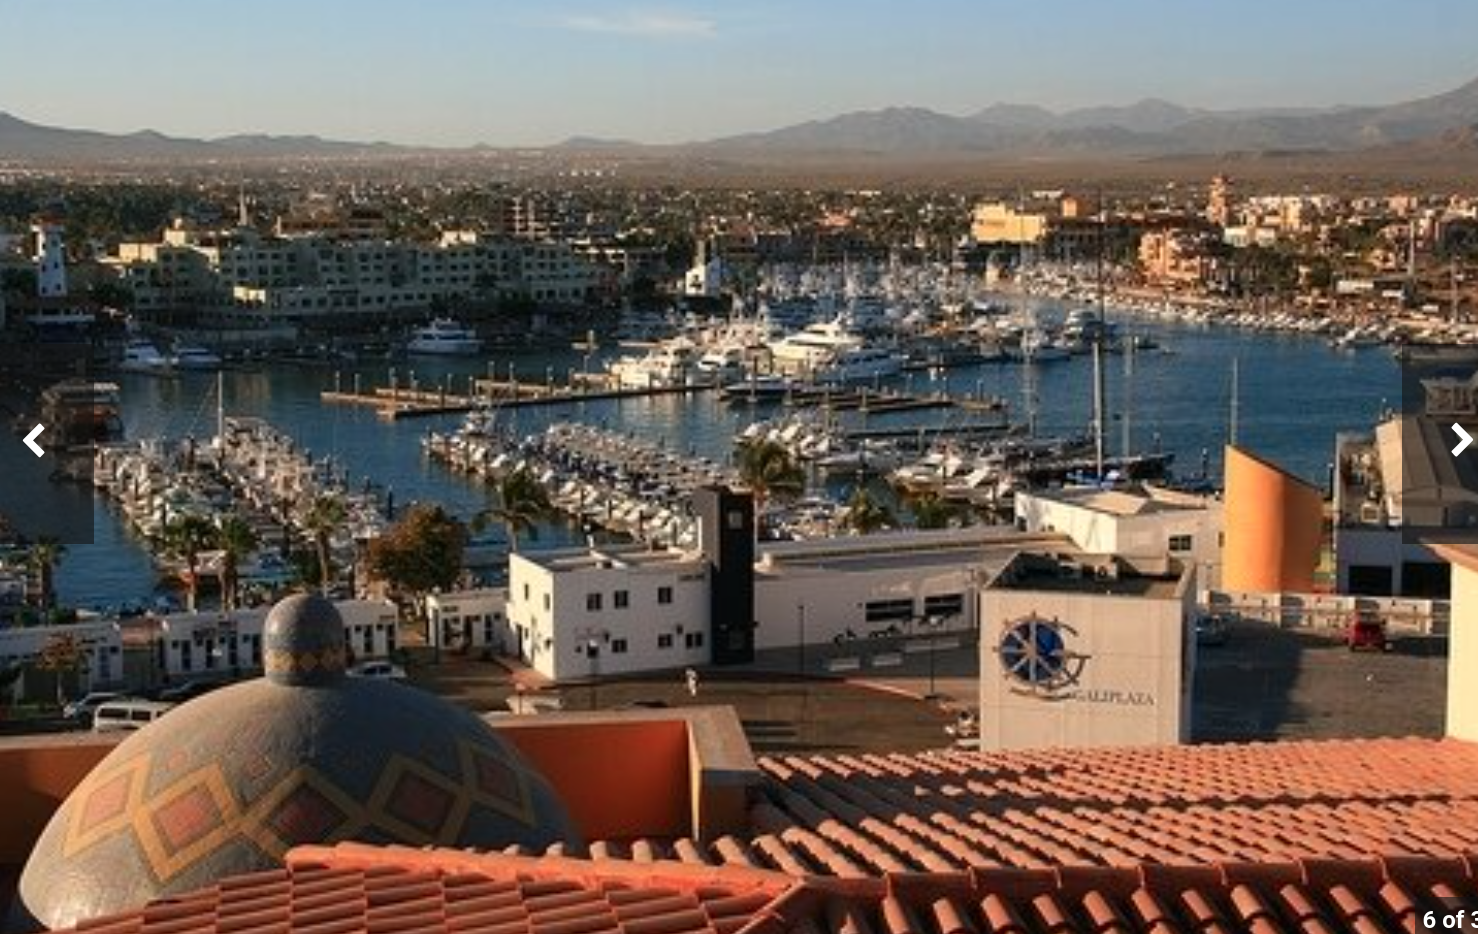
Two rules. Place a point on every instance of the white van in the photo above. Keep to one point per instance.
(128, 714)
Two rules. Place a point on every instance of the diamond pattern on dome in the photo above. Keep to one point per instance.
(496, 783)
(186, 821)
(419, 803)
(106, 804)
(303, 806)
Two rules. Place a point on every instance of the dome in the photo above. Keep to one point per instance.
(229, 782)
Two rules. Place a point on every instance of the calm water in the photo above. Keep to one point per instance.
(1296, 393)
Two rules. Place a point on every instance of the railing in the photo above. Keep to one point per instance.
(1332, 611)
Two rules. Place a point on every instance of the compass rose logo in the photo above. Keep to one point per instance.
(1036, 658)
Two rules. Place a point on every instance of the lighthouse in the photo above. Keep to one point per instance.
(51, 259)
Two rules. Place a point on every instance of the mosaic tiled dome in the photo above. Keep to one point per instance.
(228, 782)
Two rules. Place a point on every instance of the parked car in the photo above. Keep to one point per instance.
(386, 671)
(128, 714)
(1367, 634)
(80, 711)
(1212, 629)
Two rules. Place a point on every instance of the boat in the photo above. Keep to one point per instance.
(671, 363)
(444, 337)
(192, 357)
(82, 412)
(830, 352)
(721, 364)
(141, 356)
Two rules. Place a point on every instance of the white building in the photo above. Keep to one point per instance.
(100, 648)
(576, 613)
(1090, 651)
(643, 610)
(249, 277)
(215, 644)
(1144, 522)
(51, 259)
(469, 619)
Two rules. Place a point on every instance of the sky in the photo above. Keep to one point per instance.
(526, 72)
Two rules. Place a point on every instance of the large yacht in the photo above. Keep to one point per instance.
(830, 352)
(671, 363)
(193, 357)
(446, 338)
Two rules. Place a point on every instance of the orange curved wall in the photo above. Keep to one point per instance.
(1273, 523)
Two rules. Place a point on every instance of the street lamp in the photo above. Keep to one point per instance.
(590, 641)
(933, 624)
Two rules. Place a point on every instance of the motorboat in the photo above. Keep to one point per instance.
(444, 337)
(141, 356)
(830, 352)
(671, 363)
(192, 357)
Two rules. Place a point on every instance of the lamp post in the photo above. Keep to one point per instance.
(932, 624)
(590, 641)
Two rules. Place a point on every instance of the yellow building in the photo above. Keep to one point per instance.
(1273, 522)
(999, 222)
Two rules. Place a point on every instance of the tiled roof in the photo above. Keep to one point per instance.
(352, 889)
(1357, 836)
(864, 815)
(358, 888)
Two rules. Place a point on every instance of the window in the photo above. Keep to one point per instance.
(693, 640)
(618, 646)
(880, 611)
(621, 599)
(664, 595)
(546, 601)
(1180, 543)
(526, 594)
(592, 602)
(736, 520)
(664, 641)
(944, 604)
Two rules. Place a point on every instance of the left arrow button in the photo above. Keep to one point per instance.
(30, 440)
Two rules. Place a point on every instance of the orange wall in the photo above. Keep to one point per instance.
(1273, 522)
(34, 780)
(619, 780)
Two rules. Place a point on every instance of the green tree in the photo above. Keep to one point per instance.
(324, 518)
(237, 539)
(866, 514)
(421, 553)
(44, 556)
(61, 654)
(769, 470)
(520, 501)
(186, 537)
(931, 512)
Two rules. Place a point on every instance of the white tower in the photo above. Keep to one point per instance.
(51, 260)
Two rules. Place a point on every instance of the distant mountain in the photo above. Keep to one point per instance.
(1150, 127)
(21, 140)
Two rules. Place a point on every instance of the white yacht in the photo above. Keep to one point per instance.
(721, 364)
(192, 357)
(831, 353)
(445, 338)
(141, 356)
(671, 363)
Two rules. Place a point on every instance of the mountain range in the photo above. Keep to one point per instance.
(1147, 129)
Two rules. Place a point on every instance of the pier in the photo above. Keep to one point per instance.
(397, 402)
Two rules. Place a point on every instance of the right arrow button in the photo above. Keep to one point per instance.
(1465, 439)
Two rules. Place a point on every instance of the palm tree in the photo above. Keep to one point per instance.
(325, 516)
(768, 469)
(186, 537)
(237, 540)
(931, 512)
(521, 501)
(865, 514)
(45, 555)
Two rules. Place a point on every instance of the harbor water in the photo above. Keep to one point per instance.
(1295, 393)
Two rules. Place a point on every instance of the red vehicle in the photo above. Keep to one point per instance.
(1367, 634)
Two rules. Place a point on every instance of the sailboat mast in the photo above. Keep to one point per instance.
(1098, 376)
(221, 407)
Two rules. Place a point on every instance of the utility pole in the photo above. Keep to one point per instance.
(1098, 336)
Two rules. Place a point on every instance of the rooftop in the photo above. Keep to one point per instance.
(1106, 575)
(1146, 500)
(991, 548)
(624, 557)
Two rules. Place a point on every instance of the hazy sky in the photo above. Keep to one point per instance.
(505, 72)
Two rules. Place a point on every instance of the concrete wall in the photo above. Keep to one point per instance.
(1274, 523)
(1376, 547)
(470, 619)
(1462, 659)
(1102, 533)
(1134, 673)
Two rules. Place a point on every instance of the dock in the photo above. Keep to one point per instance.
(393, 403)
